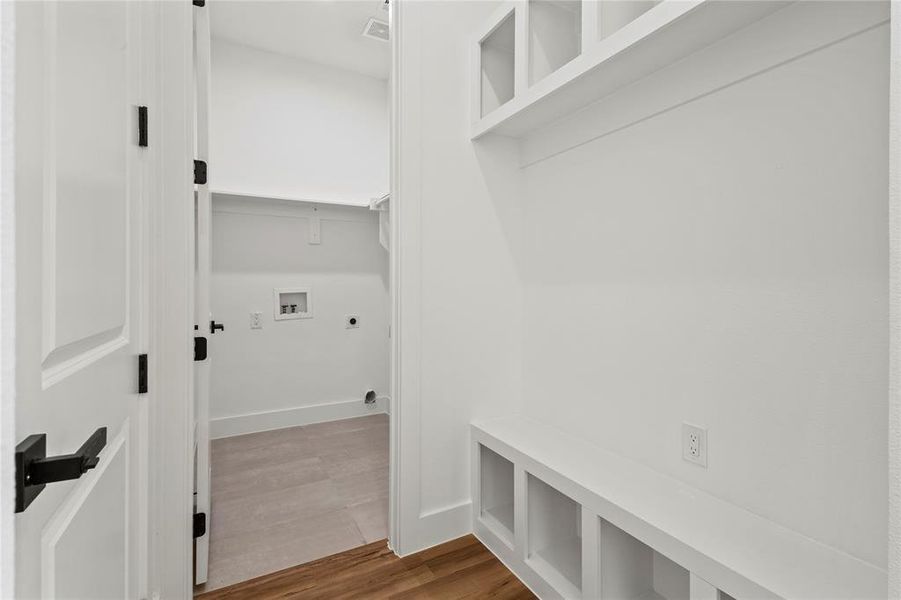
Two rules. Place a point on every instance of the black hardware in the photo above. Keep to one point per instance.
(34, 469)
(199, 348)
(199, 172)
(142, 126)
(199, 525)
(200, 3)
(214, 326)
(142, 373)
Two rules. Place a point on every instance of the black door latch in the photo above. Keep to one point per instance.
(214, 326)
(34, 469)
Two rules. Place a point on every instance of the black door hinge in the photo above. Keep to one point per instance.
(200, 3)
(142, 126)
(199, 172)
(199, 525)
(199, 348)
(142, 373)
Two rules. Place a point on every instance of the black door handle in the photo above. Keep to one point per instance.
(34, 469)
(214, 326)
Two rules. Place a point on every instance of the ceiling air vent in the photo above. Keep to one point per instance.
(377, 30)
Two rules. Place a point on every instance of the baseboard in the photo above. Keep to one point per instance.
(293, 417)
(435, 527)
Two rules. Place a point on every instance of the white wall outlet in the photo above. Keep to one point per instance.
(694, 444)
(256, 320)
(352, 322)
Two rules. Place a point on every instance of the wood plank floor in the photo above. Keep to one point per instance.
(459, 569)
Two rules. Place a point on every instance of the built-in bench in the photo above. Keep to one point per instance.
(574, 521)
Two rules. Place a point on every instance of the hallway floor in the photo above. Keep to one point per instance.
(457, 570)
(286, 497)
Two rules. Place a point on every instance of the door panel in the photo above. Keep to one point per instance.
(86, 158)
(80, 178)
(91, 522)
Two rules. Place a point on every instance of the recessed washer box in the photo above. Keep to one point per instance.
(292, 303)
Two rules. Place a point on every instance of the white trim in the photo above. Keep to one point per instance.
(7, 295)
(223, 427)
(290, 209)
(171, 377)
(894, 226)
(364, 202)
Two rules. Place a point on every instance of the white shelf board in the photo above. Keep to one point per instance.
(663, 35)
(561, 565)
(738, 551)
(264, 196)
(500, 520)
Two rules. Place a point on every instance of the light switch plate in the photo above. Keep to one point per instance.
(256, 320)
(694, 444)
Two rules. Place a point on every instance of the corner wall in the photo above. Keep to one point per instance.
(457, 207)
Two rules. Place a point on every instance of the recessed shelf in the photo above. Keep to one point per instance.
(629, 47)
(667, 534)
(631, 570)
(613, 15)
(496, 63)
(555, 35)
(554, 547)
(496, 494)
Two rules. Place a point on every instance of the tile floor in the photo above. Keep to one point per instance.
(285, 497)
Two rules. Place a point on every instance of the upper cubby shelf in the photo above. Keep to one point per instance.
(539, 60)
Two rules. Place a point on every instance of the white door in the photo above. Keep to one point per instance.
(81, 74)
(202, 294)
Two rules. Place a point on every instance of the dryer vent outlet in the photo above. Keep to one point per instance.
(370, 397)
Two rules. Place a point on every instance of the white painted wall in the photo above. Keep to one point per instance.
(725, 263)
(457, 207)
(286, 128)
(283, 374)
(721, 261)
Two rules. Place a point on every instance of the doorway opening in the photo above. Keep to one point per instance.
(293, 284)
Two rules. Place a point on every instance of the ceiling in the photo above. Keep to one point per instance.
(328, 32)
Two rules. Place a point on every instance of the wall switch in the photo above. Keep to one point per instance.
(256, 320)
(694, 444)
(351, 322)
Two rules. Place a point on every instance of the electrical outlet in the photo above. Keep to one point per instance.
(256, 320)
(351, 322)
(694, 444)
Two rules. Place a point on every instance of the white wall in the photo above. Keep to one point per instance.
(725, 263)
(282, 374)
(287, 128)
(720, 257)
(458, 212)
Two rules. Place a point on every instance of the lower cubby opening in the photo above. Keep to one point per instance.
(555, 537)
(632, 570)
(496, 493)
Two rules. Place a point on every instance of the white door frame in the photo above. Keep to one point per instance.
(894, 230)
(172, 310)
(7, 298)
(394, 277)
